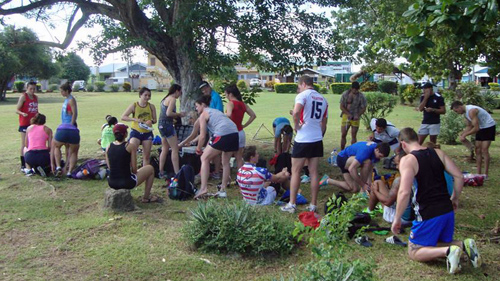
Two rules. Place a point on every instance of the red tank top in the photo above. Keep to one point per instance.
(239, 110)
(30, 106)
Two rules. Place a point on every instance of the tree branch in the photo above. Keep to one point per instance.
(163, 11)
(70, 34)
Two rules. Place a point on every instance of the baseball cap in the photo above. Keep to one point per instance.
(120, 128)
(427, 85)
(203, 84)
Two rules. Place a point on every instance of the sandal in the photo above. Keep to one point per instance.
(395, 241)
(152, 199)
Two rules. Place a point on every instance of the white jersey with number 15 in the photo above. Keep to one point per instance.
(315, 108)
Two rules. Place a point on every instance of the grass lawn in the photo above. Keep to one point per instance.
(57, 230)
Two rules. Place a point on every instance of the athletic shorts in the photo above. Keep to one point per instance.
(123, 183)
(141, 136)
(22, 129)
(486, 134)
(307, 150)
(70, 136)
(429, 129)
(352, 123)
(35, 158)
(166, 129)
(341, 162)
(430, 232)
(266, 196)
(226, 143)
(242, 139)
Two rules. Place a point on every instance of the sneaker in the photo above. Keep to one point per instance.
(312, 208)
(162, 175)
(453, 259)
(324, 181)
(68, 175)
(215, 176)
(305, 179)
(363, 241)
(470, 249)
(41, 171)
(289, 208)
(30, 172)
(58, 171)
(25, 170)
(221, 194)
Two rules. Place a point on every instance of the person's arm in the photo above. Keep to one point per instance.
(423, 102)
(342, 107)
(408, 168)
(20, 103)
(74, 110)
(203, 129)
(170, 109)
(363, 107)
(281, 176)
(193, 135)
(229, 109)
(128, 111)
(153, 113)
(324, 122)
(252, 115)
(296, 116)
(353, 171)
(473, 125)
(452, 169)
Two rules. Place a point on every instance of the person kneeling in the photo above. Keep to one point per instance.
(251, 179)
(121, 157)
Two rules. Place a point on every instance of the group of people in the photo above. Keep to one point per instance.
(422, 169)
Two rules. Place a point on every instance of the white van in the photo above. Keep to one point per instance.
(80, 84)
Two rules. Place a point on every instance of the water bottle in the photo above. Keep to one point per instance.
(333, 158)
(173, 183)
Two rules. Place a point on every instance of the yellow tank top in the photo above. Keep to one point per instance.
(144, 114)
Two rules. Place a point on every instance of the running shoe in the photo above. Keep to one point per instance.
(30, 172)
(312, 208)
(305, 179)
(58, 171)
(453, 259)
(324, 181)
(290, 208)
(470, 249)
(41, 171)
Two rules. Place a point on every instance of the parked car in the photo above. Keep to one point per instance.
(80, 84)
(255, 82)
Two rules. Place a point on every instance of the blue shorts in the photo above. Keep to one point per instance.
(141, 136)
(166, 129)
(70, 136)
(341, 162)
(226, 143)
(430, 232)
(22, 129)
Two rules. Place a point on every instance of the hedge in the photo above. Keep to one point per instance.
(339, 88)
(389, 87)
(282, 88)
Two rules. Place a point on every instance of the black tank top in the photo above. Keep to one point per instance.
(430, 195)
(119, 161)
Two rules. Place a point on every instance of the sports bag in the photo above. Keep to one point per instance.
(88, 169)
(182, 186)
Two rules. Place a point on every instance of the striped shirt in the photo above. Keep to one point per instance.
(251, 180)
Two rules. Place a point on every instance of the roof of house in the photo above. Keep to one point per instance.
(133, 67)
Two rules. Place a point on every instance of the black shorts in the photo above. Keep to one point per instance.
(67, 136)
(307, 150)
(36, 158)
(486, 134)
(123, 183)
(341, 161)
(227, 143)
(22, 129)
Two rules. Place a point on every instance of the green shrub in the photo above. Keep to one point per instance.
(127, 87)
(402, 88)
(379, 105)
(494, 86)
(489, 101)
(388, 87)
(281, 88)
(242, 85)
(451, 126)
(114, 88)
(100, 86)
(339, 88)
(497, 103)
(470, 94)
(323, 91)
(53, 87)
(269, 84)
(448, 95)
(411, 93)
(238, 228)
(317, 87)
(90, 88)
(19, 85)
(369, 86)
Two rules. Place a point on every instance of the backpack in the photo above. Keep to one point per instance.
(182, 186)
(88, 169)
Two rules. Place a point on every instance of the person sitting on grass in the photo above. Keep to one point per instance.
(121, 157)
(38, 141)
(251, 179)
(359, 155)
(107, 135)
(381, 193)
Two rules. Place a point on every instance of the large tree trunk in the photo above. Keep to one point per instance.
(3, 88)
(454, 77)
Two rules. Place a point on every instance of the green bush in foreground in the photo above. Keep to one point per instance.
(238, 228)
(451, 125)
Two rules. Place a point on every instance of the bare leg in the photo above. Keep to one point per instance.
(485, 153)
(57, 153)
(373, 200)
(73, 151)
(354, 134)
(217, 163)
(173, 142)
(348, 185)
(421, 139)
(226, 169)
(208, 154)
(297, 164)
(313, 173)
(239, 157)
(366, 171)
(146, 174)
(163, 154)
(146, 151)
(433, 139)
(343, 137)
(425, 254)
(23, 144)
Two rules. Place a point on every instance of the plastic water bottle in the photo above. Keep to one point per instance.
(174, 183)
(332, 160)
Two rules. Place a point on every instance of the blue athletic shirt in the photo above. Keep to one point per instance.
(362, 150)
(216, 101)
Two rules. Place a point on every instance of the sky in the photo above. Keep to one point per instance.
(56, 29)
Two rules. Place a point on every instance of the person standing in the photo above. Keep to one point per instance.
(352, 106)
(310, 116)
(431, 235)
(483, 126)
(27, 108)
(67, 133)
(432, 105)
(283, 133)
(143, 118)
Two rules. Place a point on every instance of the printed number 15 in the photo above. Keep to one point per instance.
(316, 110)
